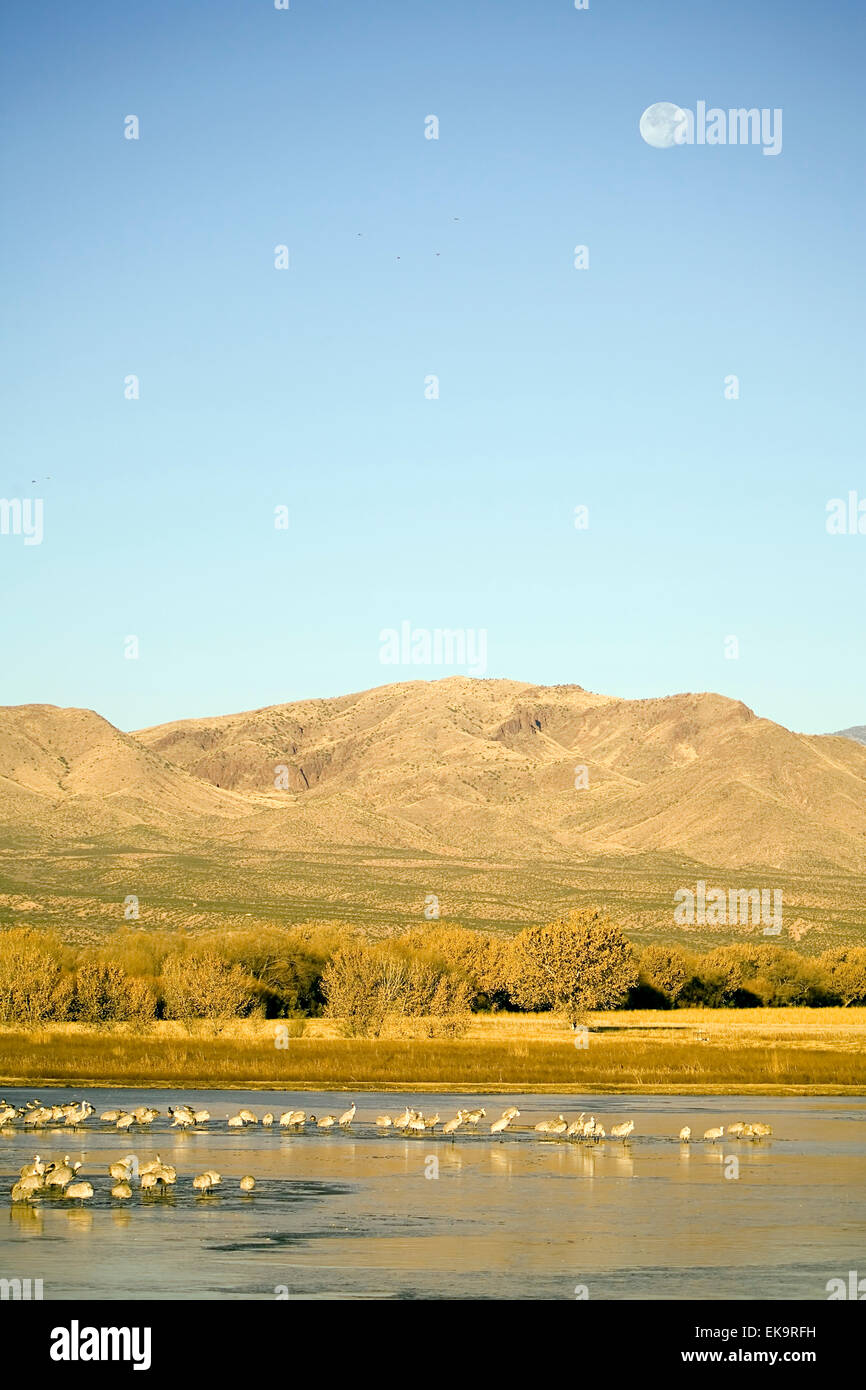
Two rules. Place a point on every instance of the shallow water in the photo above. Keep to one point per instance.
(355, 1215)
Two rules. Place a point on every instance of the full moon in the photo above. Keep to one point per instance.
(663, 125)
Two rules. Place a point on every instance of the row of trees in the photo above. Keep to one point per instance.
(37, 985)
(574, 964)
(743, 976)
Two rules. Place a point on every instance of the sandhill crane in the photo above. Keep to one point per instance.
(267, 1120)
(110, 1116)
(685, 1134)
(511, 1112)
(125, 1121)
(248, 1117)
(150, 1167)
(347, 1116)
(592, 1129)
(122, 1172)
(215, 1177)
(499, 1126)
(236, 1122)
(122, 1191)
(202, 1182)
(327, 1122)
(409, 1118)
(622, 1131)
(450, 1126)
(711, 1135)
(383, 1121)
(761, 1130)
(417, 1123)
(576, 1126)
(77, 1114)
(37, 1117)
(247, 1183)
(182, 1117)
(431, 1121)
(556, 1126)
(34, 1182)
(471, 1117)
(34, 1169)
(293, 1119)
(201, 1117)
(62, 1174)
(7, 1112)
(79, 1191)
(736, 1129)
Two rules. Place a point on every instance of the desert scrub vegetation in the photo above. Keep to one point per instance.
(375, 989)
(434, 979)
(34, 986)
(203, 986)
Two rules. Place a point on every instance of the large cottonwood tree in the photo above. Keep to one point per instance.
(574, 964)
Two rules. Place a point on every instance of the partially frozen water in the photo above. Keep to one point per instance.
(360, 1214)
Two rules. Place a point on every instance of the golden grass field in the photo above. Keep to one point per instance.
(688, 1051)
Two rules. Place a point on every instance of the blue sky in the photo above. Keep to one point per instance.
(305, 387)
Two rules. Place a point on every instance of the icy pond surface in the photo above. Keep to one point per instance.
(367, 1214)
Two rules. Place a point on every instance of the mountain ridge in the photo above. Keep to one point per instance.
(456, 767)
(856, 732)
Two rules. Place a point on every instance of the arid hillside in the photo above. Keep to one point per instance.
(498, 767)
(508, 801)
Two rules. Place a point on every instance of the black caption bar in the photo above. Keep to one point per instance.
(59, 1339)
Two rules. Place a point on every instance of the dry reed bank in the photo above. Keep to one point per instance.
(687, 1051)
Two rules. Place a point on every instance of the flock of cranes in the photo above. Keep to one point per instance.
(44, 1176)
(33, 1115)
(740, 1130)
(72, 1114)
